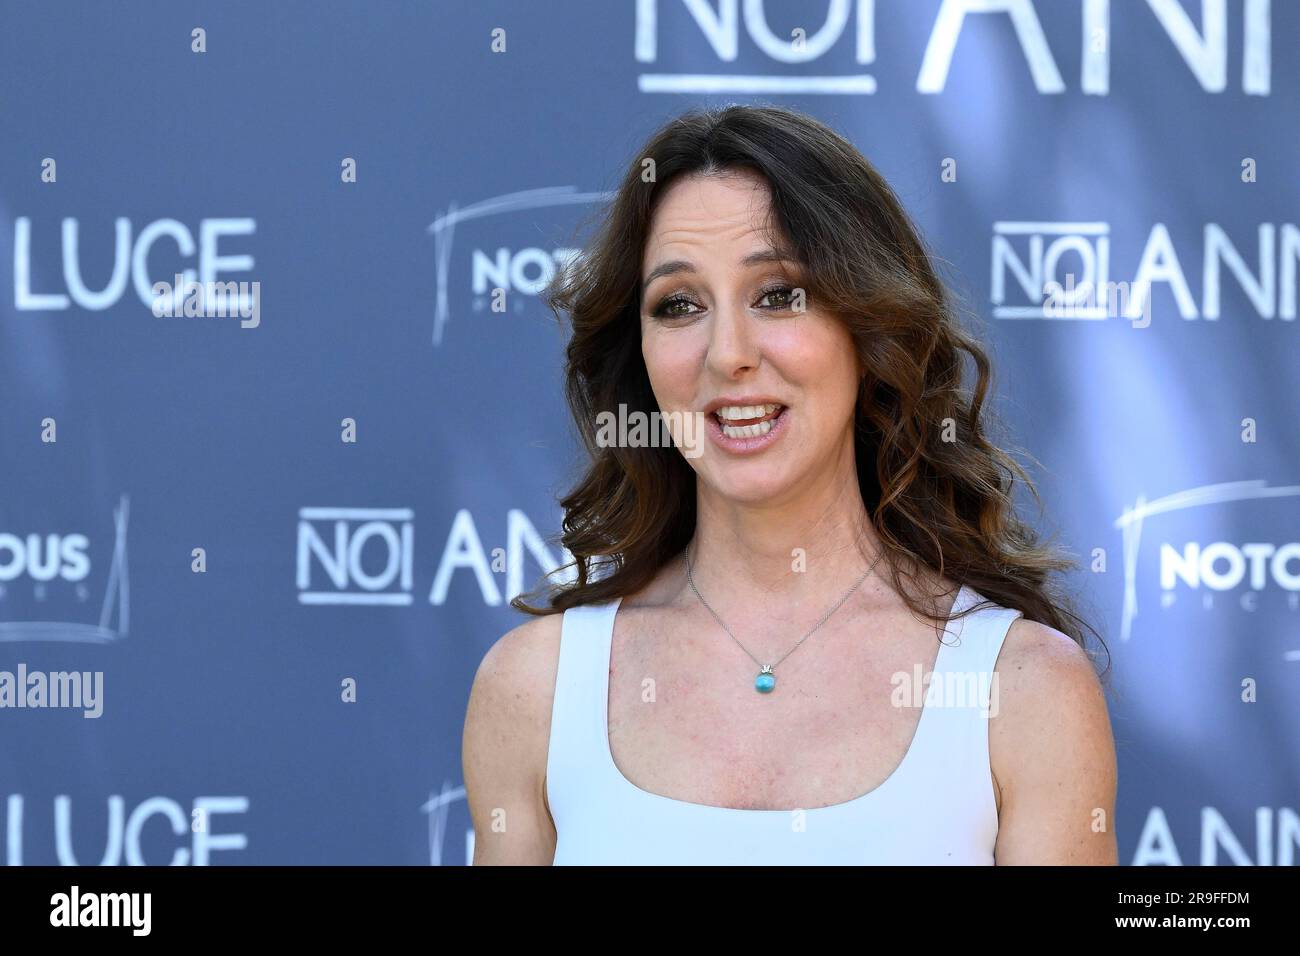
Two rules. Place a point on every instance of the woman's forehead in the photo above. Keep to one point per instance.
(735, 194)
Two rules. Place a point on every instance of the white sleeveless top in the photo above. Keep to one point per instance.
(937, 807)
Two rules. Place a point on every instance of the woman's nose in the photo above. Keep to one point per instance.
(733, 343)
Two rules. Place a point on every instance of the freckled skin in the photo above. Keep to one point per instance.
(828, 732)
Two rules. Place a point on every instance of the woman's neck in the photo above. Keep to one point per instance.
(776, 557)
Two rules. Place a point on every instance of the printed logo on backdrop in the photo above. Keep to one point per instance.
(31, 834)
(1063, 270)
(498, 276)
(437, 808)
(1214, 841)
(369, 556)
(841, 37)
(1253, 574)
(65, 585)
(182, 292)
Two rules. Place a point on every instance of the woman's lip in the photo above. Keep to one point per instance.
(747, 446)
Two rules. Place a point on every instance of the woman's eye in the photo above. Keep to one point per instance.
(673, 308)
(777, 298)
(782, 294)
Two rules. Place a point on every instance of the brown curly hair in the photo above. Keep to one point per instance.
(938, 491)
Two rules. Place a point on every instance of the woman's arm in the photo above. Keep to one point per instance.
(1052, 753)
(504, 747)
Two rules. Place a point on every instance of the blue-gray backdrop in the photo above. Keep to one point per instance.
(231, 517)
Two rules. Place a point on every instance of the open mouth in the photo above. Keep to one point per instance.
(747, 421)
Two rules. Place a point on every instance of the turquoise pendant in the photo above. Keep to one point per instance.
(765, 680)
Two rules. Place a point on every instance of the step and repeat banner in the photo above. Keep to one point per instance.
(255, 539)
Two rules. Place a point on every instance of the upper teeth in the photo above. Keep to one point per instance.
(742, 412)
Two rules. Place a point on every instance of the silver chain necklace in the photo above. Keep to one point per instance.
(766, 679)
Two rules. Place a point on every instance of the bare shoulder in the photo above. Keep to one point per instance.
(514, 685)
(1040, 659)
(1051, 751)
(1048, 689)
(503, 751)
(514, 667)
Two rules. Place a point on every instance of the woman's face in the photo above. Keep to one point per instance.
(722, 334)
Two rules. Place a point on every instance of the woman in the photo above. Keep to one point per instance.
(819, 635)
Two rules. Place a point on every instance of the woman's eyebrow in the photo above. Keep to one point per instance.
(681, 265)
(767, 255)
(667, 269)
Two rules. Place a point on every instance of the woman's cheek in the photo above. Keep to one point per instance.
(675, 364)
(670, 376)
(813, 350)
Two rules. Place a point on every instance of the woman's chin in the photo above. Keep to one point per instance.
(748, 486)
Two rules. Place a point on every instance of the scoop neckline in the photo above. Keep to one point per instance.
(894, 775)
